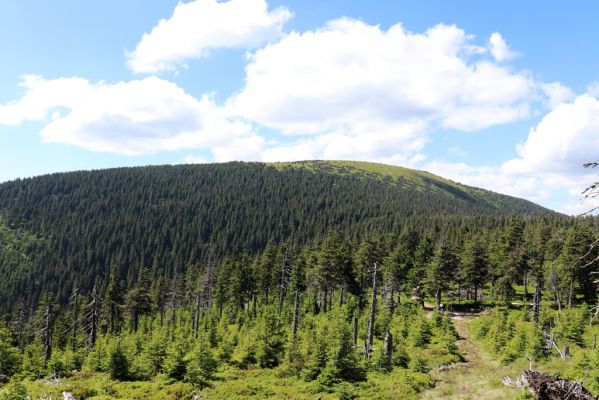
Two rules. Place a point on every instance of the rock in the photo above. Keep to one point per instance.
(67, 396)
(3, 378)
(446, 367)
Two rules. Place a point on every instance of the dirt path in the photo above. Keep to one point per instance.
(478, 377)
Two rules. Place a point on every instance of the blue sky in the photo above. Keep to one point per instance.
(501, 95)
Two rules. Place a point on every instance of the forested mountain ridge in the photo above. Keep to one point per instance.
(78, 224)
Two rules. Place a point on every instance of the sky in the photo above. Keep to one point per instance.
(499, 95)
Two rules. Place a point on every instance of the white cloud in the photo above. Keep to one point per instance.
(248, 148)
(557, 94)
(394, 144)
(549, 168)
(564, 139)
(191, 159)
(552, 190)
(199, 26)
(349, 73)
(488, 177)
(41, 96)
(593, 89)
(136, 117)
(500, 50)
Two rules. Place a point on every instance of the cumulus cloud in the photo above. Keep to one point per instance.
(199, 26)
(136, 117)
(499, 48)
(555, 190)
(549, 162)
(349, 90)
(563, 140)
(41, 96)
(556, 94)
(492, 178)
(400, 143)
(350, 73)
(247, 148)
(192, 159)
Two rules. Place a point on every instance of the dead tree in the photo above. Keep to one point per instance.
(355, 331)
(536, 307)
(388, 348)
(372, 310)
(284, 281)
(75, 304)
(47, 331)
(295, 323)
(19, 324)
(175, 297)
(591, 191)
(548, 387)
(92, 317)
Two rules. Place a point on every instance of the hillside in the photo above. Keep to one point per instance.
(79, 224)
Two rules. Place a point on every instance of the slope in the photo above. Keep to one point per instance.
(168, 217)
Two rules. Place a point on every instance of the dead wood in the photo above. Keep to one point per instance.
(548, 387)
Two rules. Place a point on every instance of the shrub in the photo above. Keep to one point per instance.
(14, 391)
(419, 364)
(119, 364)
(201, 366)
(10, 360)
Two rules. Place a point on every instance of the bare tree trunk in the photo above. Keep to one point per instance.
(47, 333)
(372, 311)
(196, 315)
(525, 295)
(391, 300)
(537, 304)
(331, 299)
(284, 281)
(20, 325)
(296, 306)
(325, 302)
(571, 292)
(92, 317)
(355, 331)
(438, 295)
(316, 305)
(75, 298)
(388, 348)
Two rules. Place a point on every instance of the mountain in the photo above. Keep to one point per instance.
(78, 224)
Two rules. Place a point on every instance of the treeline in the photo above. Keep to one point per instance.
(80, 224)
(327, 312)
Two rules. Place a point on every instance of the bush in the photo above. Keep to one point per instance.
(10, 359)
(14, 391)
(119, 364)
(201, 366)
(419, 364)
(343, 363)
(420, 333)
(346, 391)
(570, 324)
(175, 363)
(270, 340)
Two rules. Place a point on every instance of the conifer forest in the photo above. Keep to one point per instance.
(306, 280)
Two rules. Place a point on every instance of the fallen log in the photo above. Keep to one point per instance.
(548, 387)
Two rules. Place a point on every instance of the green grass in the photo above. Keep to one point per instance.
(364, 168)
(405, 177)
(478, 376)
(232, 384)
